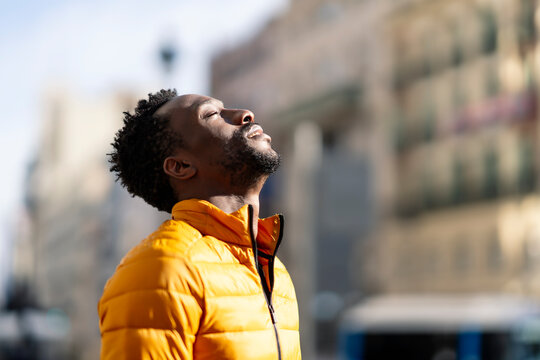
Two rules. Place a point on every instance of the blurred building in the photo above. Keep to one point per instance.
(308, 78)
(81, 221)
(409, 135)
(464, 123)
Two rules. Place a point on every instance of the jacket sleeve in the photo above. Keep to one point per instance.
(151, 309)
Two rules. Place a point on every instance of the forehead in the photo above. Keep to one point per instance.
(186, 104)
(184, 107)
(184, 113)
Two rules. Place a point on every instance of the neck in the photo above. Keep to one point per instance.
(231, 201)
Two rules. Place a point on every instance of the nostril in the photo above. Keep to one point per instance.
(243, 117)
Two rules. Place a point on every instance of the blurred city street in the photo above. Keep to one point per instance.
(410, 184)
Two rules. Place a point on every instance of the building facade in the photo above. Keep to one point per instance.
(81, 221)
(409, 135)
(307, 76)
(465, 133)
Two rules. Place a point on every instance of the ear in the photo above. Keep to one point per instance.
(179, 168)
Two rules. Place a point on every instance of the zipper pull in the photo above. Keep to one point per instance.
(272, 314)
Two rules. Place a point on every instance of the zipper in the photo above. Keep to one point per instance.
(267, 292)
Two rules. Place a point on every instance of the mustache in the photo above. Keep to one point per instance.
(244, 129)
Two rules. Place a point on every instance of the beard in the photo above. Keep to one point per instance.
(245, 164)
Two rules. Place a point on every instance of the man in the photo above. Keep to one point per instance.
(207, 283)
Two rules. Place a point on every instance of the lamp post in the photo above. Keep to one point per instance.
(168, 54)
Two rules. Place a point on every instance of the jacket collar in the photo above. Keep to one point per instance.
(232, 228)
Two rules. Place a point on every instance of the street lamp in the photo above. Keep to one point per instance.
(168, 55)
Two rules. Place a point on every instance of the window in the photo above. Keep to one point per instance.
(458, 183)
(429, 123)
(489, 33)
(400, 142)
(491, 172)
(526, 170)
(428, 193)
(527, 27)
(457, 48)
(427, 52)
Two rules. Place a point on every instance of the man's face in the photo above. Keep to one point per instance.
(223, 141)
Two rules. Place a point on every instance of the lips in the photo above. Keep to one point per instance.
(254, 131)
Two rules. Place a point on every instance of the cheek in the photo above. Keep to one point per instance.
(210, 151)
(218, 132)
(206, 140)
(211, 140)
(224, 133)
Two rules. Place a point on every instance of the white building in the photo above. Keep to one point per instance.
(82, 221)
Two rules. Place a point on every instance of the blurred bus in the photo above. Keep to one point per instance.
(433, 327)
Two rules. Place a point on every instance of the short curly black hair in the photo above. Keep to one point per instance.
(139, 149)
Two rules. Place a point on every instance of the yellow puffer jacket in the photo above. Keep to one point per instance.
(191, 290)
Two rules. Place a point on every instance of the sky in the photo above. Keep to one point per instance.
(95, 47)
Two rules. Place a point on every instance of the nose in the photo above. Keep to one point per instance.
(241, 117)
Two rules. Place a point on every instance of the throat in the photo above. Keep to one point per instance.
(232, 203)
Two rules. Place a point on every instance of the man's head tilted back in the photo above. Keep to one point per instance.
(179, 147)
(197, 286)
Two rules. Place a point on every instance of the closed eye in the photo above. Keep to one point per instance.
(209, 115)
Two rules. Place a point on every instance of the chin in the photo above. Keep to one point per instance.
(262, 146)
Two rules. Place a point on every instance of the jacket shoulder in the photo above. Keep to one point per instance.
(159, 262)
(145, 301)
(172, 238)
